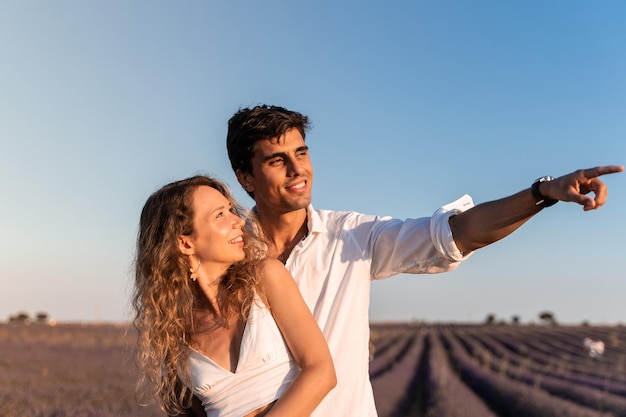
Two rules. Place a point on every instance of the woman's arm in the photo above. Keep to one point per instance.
(306, 343)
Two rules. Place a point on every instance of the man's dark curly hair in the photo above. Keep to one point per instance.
(248, 126)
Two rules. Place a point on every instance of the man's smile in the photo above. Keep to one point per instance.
(297, 186)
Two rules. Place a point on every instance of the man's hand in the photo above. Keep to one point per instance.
(576, 186)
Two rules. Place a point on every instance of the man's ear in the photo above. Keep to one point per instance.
(245, 179)
(185, 245)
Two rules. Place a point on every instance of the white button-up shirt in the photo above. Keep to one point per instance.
(334, 266)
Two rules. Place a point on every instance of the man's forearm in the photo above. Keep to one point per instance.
(489, 222)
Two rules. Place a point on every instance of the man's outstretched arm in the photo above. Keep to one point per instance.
(489, 222)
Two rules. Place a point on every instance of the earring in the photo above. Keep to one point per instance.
(194, 274)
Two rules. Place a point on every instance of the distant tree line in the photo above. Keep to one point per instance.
(24, 318)
(545, 317)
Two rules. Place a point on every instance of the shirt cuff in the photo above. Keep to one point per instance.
(440, 232)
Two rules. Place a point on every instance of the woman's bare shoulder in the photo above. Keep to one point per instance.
(271, 266)
(275, 277)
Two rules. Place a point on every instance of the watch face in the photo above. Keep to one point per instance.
(543, 179)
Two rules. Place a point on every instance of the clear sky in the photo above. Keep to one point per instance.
(413, 104)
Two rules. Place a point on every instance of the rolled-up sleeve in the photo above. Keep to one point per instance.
(440, 232)
(415, 246)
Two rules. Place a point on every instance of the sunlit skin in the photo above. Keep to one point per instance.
(489, 222)
(576, 187)
(217, 238)
(217, 242)
(281, 180)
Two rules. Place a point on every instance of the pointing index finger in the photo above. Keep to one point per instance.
(602, 170)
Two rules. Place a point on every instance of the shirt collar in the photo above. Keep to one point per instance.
(314, 221)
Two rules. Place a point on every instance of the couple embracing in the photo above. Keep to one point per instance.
(265, 312)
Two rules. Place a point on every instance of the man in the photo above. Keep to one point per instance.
(334, 255)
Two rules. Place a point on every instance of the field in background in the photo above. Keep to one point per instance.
(68, 370)
(498, 370)
(416, 370)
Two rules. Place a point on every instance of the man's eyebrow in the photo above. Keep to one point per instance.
(284, 154)
(274, 155)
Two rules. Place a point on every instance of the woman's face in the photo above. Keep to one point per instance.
(217, 237)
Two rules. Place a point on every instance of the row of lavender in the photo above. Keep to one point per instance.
(431, 371)
(452, 370)
(69, 371)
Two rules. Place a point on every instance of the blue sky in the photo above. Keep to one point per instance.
(413, 104)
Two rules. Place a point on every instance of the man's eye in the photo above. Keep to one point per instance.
(277, 161)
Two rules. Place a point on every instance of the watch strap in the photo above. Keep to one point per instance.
(540, 199)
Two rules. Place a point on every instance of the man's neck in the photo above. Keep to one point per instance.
(283, 231)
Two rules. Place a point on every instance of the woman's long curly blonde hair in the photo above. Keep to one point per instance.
(165, 298)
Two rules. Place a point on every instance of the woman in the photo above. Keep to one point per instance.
(209, 306)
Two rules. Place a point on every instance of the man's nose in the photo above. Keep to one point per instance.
(295, 167)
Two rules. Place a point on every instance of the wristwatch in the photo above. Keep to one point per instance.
(540, 199)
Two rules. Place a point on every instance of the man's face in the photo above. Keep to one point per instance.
(282, 174)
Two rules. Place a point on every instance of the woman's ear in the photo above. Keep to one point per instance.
(185, 245)
(245, 179)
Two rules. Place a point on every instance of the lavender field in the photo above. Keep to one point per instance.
(68, 370)
(416, 370)
(498, 370)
